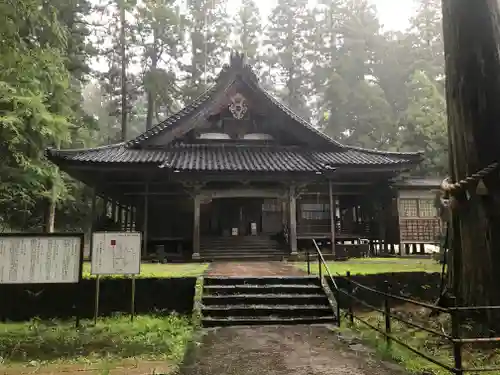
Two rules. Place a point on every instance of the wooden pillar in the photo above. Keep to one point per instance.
(92, 222)
(196, 227)
(332, 215)
(284, 212)
(113, 211)
(120, 216)
(413, 248)
(145, 221)
(133, 218)
(293, 220)
(126, 224)
(104, 212)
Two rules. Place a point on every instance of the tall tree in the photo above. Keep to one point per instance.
(471, 37)
(287, 33)
(353, 106)
(35, 108)
(160, 27)
(117, 40)
(427, 40)
(209, 31)
(72, 15)
(393, 68)
(248, 30)
(423, 125)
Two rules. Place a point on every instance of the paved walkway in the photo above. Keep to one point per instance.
(272, 268)
(291, 350)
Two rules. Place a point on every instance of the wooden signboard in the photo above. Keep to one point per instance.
(116, 253)
(40, 258)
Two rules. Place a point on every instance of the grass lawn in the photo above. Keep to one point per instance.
(148, 344)
(368, 266)
(162, 270)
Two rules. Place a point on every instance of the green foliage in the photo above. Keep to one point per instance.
(161, 270)
(209, 29)
(287, 33)
(248, 29)
(34, 109)
(148, 337)
(423, 125)
(42, 57)
(376, 266)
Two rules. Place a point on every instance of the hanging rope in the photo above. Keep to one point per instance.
(445, 203)
(455, 188)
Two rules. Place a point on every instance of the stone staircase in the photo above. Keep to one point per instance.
(229, 301)
(240, 248)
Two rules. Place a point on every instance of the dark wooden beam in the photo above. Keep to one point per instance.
(145, 221)
(332, 216)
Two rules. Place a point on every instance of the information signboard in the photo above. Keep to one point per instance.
(39, 258)
(116, 253)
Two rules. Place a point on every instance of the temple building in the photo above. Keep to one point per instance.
(237, 174)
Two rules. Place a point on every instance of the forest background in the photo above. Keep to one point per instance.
(80, 73)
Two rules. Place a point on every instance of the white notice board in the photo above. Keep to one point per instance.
(40, 259)
(116, 253)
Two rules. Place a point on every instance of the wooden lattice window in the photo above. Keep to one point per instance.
(420, 230)
(426, 208)
(315, 211)
(408, 207)
(271, 205)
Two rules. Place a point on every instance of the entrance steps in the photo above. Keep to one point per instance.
(230, 301)
(241, 248)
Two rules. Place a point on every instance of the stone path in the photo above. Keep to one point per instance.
(291, 350)
(273, 268)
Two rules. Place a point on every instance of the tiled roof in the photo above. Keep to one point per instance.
(174, 119)
(420, 183)
(229, 157)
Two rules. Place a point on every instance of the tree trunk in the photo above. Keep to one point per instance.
(471, 37)
(151, 92)
(51, 212)
(123, 58)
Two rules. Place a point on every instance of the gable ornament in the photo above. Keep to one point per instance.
(238, 106)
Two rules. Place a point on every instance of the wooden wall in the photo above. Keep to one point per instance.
(418, 220)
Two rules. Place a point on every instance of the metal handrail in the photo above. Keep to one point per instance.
(322, 259)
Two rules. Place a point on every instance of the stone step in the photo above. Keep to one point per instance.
(265, 299)
(268, 320)
(262, 289)
(288, 311)
(263, 280)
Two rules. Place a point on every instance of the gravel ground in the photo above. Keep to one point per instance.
(289, 350)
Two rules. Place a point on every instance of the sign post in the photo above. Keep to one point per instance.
(116, 253)
(97, 294)
(132, 305)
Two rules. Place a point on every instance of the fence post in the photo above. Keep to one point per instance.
(308, 261)
(337, 297)
(455, 334)
(349, 291)
(387, 315)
